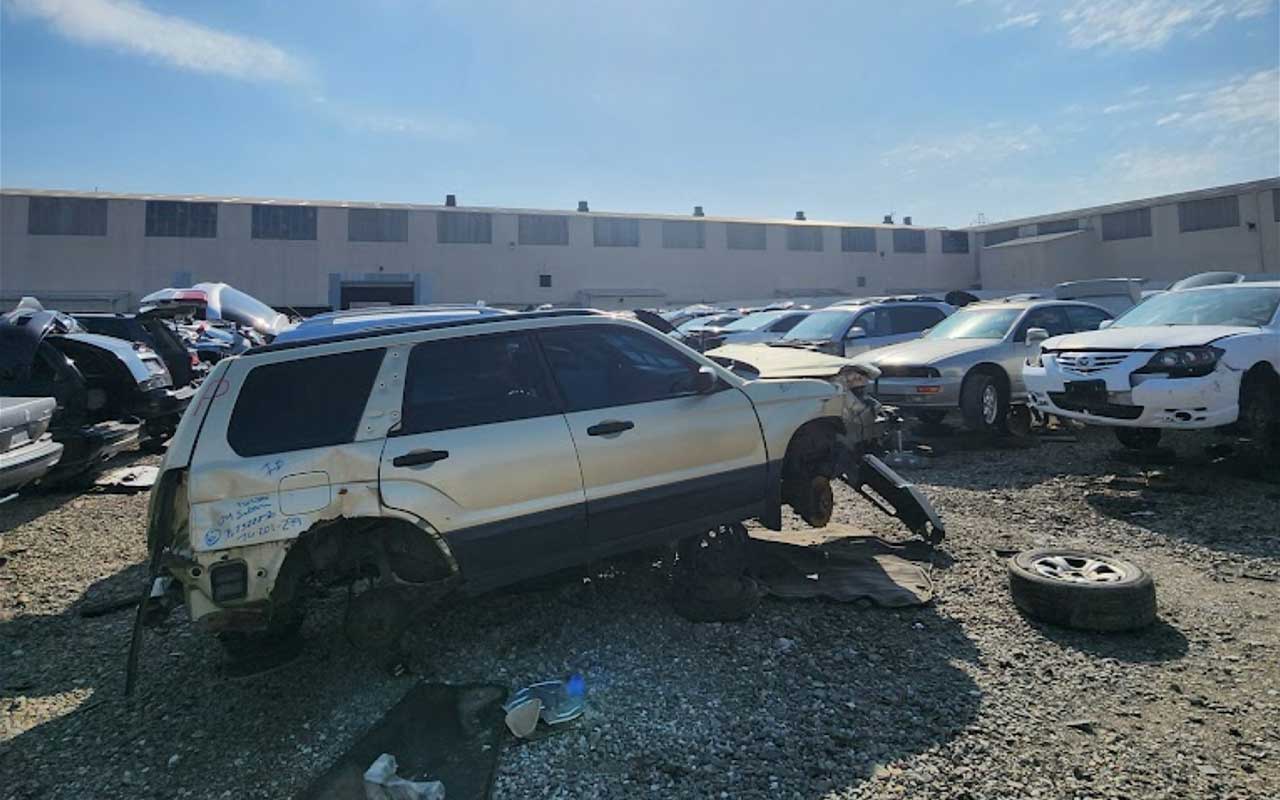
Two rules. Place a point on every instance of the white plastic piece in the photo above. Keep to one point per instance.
(382, 783)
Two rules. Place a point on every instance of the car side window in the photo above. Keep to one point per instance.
(1085, 319)
(477, 380)
(1052, 318)
(303, 403)
(875, 322)
(602, 366)
(913, 319)
(786, 323)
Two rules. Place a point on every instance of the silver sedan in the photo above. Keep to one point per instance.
(972, 361)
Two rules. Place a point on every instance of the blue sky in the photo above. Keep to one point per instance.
(939, 109)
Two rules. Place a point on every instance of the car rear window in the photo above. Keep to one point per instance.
(304, 403)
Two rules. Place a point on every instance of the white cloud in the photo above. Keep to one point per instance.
(1125, 24)
(129, 26)
(1028, 20)
(1152, 172)
(1242, 101)
(1149, 24)
(994, 142)
(1169, 118)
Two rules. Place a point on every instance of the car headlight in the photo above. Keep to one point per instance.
(1183, 362)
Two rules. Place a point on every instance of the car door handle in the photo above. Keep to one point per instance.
(610, 426)
(416, 457)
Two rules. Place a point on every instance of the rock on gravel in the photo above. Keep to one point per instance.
(963, 698)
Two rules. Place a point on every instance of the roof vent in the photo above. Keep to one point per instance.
(800, 215)
(697, 211)
(582, 206)
(888, 219)
(451, 200)
(906, 220)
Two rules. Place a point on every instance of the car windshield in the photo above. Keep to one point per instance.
(977, 323)
(829, 323)
(754, 322)
(1227, 305)
(706, 322)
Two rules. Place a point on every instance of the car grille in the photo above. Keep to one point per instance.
(1089, 363)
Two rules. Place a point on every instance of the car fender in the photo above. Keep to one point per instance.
(782, 406)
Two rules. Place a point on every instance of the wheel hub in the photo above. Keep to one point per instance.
(1076, 569)
(990, 404)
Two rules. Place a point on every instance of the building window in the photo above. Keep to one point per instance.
(678, 235)
(295, 223)
(187, 220)
(1133, 224)
(906, 240)
(543, 229)
(464, 227)
(858, 240)
(377, 225)
(1210, 213)
(609, 232)
(801, 237)
(1275, 204)
(999, 236)
(861, 281)
(66, 216)
(955, 242)
(1057, 226)
(544, 281)
(744, 236)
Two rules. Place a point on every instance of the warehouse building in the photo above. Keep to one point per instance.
(1161, 239)
(107, 250)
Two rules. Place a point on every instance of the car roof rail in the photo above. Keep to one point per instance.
(375, 333)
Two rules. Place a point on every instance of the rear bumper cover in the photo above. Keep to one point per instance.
(27, 463)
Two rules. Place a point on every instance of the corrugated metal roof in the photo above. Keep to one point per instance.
(1128, 205)
(201, 198)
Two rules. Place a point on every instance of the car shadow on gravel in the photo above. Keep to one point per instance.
(809, 695)
(1157, 643)
(816, 695)
(1186, 502)
(32, 505)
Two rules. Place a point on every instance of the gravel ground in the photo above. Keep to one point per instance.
(963, 698)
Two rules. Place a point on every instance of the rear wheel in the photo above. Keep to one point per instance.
(1138, 438)
(1259, 420)
(983, 402)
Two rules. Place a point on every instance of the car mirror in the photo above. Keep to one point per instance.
(1035, 336)
(856, 332)
(704, 380)
(1106, 323)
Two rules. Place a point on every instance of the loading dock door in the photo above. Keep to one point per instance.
(366, 294)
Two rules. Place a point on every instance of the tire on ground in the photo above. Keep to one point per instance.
(973, 389)
(1259, 419)
(710, 581)
(1138, 438)
(1122, 605)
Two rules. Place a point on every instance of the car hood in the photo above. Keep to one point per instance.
(1144, 337)
(924, 351)
(783, 362)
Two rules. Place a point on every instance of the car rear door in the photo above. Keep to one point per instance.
(483, 453)
(656, 455)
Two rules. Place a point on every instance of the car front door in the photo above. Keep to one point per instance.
(483, 453)
(877, 332)
(656, 454)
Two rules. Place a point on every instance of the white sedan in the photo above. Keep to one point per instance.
(1199, 358)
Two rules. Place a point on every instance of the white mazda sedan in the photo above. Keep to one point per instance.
(1199, 358)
